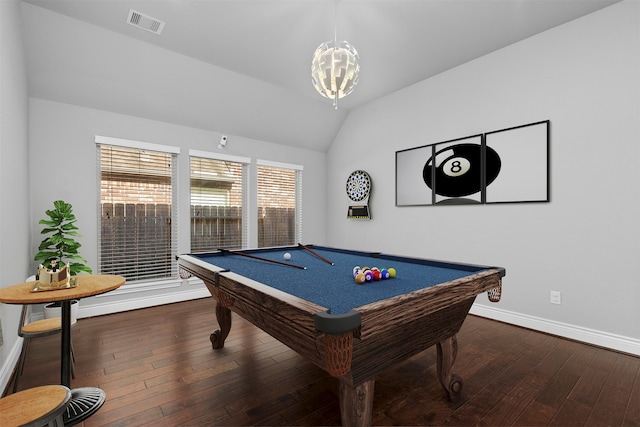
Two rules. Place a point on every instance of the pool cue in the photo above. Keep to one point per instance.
(316, 254)
(262, 259)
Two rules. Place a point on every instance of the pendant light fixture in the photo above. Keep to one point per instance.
(335, 67)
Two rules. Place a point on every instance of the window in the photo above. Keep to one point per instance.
(279, 204)
(137, 237)
(217, 201)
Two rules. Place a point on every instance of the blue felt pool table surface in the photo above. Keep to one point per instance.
(333, 286)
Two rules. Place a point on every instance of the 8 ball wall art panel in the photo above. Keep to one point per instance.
(410, 187)
(524, 176)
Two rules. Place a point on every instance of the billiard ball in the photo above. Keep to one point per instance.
(287, 255)
(392, 272)
(356, 270)
(384, 274)
(360, 278)
(368, 275)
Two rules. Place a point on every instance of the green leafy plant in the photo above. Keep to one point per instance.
(60, 247)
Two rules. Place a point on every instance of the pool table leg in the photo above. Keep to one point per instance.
(452, 383)
(217, 337)
(356, 403)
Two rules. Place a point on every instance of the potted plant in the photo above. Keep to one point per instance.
(59, 249)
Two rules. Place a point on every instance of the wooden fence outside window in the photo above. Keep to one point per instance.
(136, 238)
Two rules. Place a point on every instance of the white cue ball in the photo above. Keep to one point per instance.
(287, 255)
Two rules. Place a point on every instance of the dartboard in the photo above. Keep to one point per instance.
(358, 186)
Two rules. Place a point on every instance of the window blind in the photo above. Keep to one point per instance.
(137, 239)
(279, 205)
(217, 204)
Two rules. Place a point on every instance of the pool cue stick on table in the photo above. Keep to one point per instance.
(262, 259)
(316, 254)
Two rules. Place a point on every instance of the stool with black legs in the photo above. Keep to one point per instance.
(38, 328)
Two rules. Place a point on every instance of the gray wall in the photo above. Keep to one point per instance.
(583, 76)
(14, 172)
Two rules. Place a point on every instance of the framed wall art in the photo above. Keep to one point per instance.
(505, 166)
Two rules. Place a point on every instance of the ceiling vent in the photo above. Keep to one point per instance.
(145, 22)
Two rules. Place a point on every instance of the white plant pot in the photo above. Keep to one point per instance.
(52, 310)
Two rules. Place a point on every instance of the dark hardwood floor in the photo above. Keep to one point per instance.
(158, 368)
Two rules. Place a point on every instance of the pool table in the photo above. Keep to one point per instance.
(311, 303)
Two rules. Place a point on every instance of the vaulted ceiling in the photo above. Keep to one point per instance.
(242, 67)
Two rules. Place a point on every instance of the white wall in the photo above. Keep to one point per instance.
(583, 76)
(14, 175)
(67, 132)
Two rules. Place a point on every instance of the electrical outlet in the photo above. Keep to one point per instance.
(556, 297)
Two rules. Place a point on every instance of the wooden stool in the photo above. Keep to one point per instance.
(35, 407)
(39, 328)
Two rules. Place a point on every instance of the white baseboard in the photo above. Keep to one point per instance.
(9, 364)
(100, 309)
(573, 332)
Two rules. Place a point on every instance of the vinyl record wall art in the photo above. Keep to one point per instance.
(509, 165)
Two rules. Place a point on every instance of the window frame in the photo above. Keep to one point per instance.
(298, 169)
(172, 279)
(245, 162)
